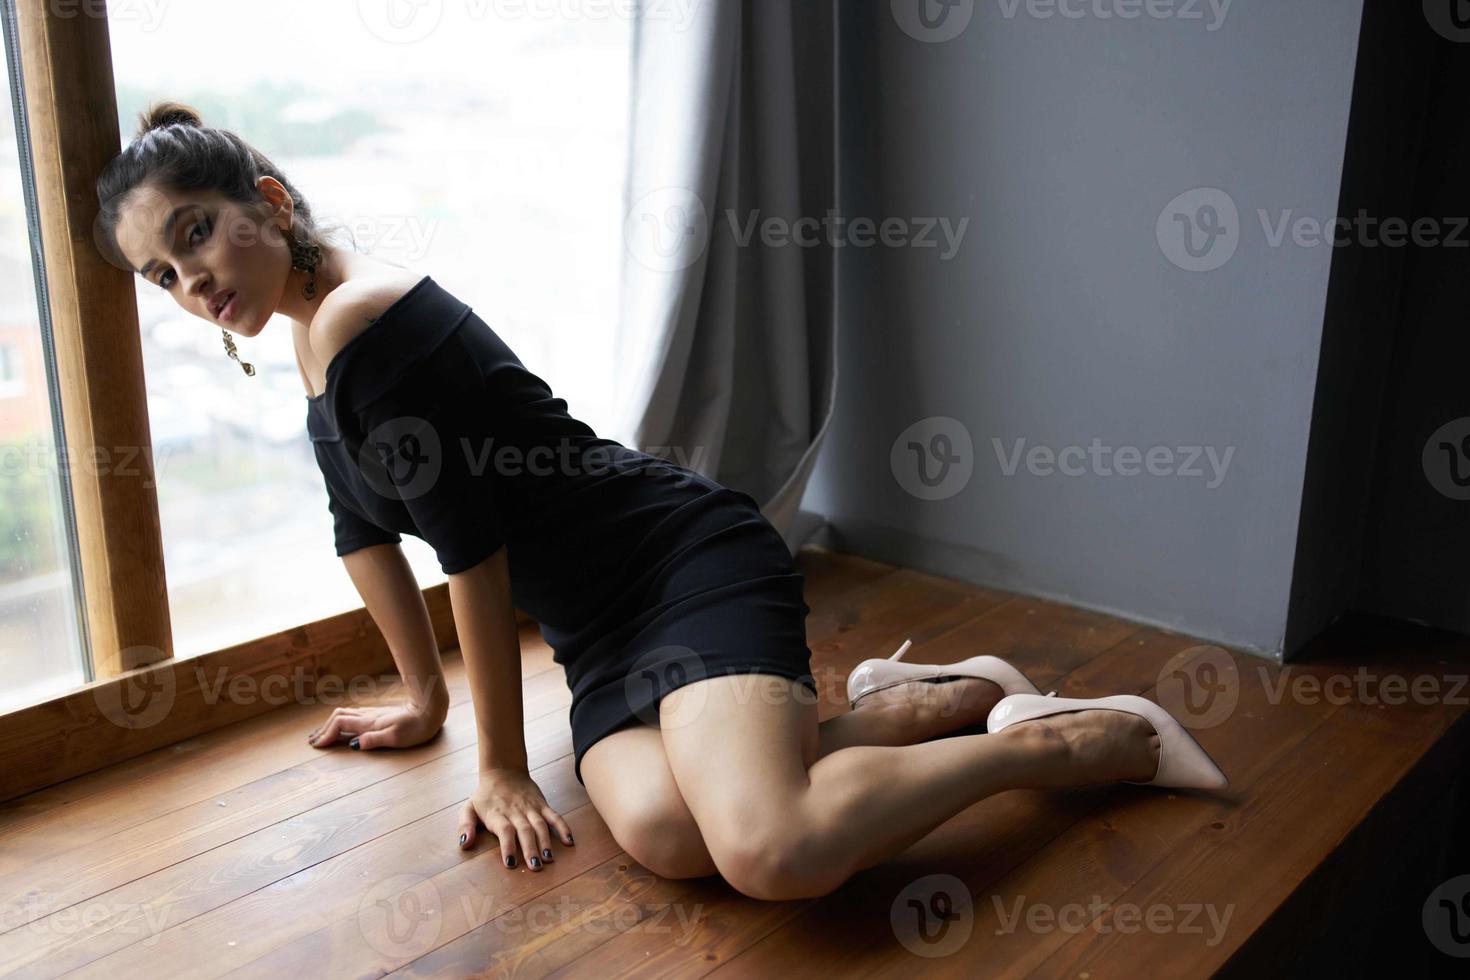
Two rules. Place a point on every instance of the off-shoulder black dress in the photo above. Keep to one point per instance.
(643, 575)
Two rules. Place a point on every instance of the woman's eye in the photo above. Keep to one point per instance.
(163, 281)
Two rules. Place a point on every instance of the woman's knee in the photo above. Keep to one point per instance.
(775, 870)
(771, 858)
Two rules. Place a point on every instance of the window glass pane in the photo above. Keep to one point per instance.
(40, 612)
(482, 144)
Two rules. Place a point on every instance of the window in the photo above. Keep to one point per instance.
(41, 624)
(485, 149)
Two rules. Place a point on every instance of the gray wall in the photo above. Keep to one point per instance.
(1061, 318)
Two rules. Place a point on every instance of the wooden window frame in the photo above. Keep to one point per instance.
(70, 102)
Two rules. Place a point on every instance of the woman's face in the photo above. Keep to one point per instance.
(220, 260)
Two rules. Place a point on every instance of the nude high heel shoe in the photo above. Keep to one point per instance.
(1182, 762)
(879, 674)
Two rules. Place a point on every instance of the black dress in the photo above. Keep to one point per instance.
(643, 575)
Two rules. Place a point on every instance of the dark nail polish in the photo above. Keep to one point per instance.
(462, 839)
(510, 862)
(354, 744)
(536, 863)
(546, 853)
(569, 839)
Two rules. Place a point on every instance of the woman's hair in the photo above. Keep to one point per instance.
(174, 149)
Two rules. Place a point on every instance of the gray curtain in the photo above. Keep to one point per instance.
(726, 346)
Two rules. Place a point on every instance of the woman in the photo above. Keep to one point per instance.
(672, 604)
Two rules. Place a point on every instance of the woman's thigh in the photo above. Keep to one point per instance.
(628, 778)
(739, 747)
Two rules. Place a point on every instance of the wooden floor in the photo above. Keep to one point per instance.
(248, 852)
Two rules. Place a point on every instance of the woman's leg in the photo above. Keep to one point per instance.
(629, 781)
(781, 823)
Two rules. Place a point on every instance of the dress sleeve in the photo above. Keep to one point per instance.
(426, 443)
(352, 532)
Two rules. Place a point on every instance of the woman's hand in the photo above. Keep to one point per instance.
(391, 726)
(509, 804)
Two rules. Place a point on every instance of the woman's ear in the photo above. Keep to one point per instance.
(273, 191)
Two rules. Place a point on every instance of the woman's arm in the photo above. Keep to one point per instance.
(490, 642)
(393, 599)
(506, 801)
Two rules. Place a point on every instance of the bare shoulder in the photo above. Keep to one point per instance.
(349, 309)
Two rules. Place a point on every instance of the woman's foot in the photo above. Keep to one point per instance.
(1094, 746)
(919, 710)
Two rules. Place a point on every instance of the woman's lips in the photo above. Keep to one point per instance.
(228, 309)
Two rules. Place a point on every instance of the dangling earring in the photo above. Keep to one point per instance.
(305, 257)
(230, 350)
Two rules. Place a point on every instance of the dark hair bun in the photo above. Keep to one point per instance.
(162, 114)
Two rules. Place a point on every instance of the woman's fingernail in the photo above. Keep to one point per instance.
(569, 839)
(463, 838)
(546, 853)
(354, 744)
(535, 862)
(510, 861)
